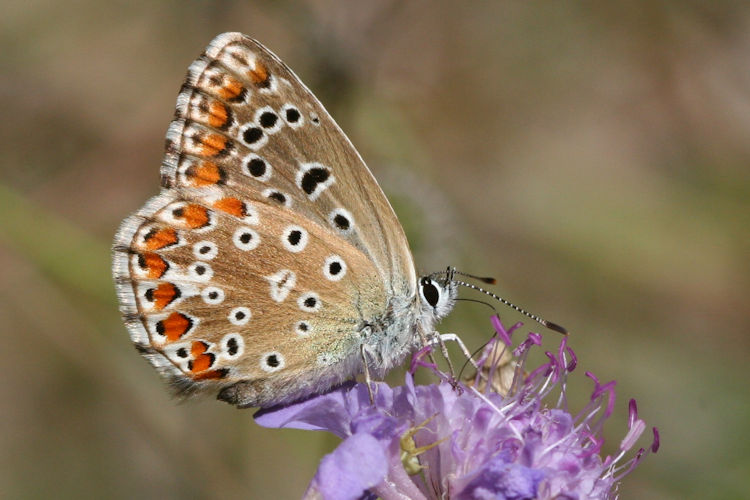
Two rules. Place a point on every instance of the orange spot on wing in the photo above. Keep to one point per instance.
(197, 348)
(158, 239)
(259, 75)
(164, 294)
(213, 144)
(174, 326)
(205, 174)
(232, 206)
(202, 363)
(195, 216)
(232, 89)
(154, 265)
(212, 375)
(218, 114)
(202, 360)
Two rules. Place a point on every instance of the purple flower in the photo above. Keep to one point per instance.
(505, 441)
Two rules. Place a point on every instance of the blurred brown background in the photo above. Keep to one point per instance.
(594, 156)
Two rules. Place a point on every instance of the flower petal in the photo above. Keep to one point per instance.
(326, 412)
(358, 464)
(499, 479)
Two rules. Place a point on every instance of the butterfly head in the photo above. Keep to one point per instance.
(436, 297)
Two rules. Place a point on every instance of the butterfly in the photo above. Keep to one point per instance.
(271, 266)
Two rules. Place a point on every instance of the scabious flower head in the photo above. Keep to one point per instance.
(507, 441)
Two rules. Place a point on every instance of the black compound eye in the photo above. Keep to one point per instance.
(430, 291)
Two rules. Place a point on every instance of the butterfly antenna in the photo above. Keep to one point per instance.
(464, 299)
(552, 326)
(451, 271)
(484, 279)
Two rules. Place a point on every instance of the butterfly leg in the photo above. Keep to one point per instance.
(444, 351)
(452, 337)
(442, 338)
(368, 379)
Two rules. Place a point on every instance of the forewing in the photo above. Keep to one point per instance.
(247, 125)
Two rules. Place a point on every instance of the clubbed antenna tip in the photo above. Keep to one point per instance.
(555, 327)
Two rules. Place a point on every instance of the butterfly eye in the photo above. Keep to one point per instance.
(430, 292)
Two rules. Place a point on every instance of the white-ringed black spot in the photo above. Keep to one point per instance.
(200, 271)
(246, 239)
(292, 116)
(212, 295)
(302, 328)
(232, 345)
(294, 238)
(309, 302)
(239, 316)
(256, 167)
(334, 268)
(278, 197)
(268, 119)
(314, 178)
(341, 220)
(182, 352)
(205, 250)
(251, 135)
(314, 118)
(272, 362)
(150, 294)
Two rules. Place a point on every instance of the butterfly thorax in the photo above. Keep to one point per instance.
(409, 323)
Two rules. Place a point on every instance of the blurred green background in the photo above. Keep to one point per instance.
(594, 156)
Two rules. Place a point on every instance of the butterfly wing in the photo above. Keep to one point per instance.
(271, 249)
(275, 139)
